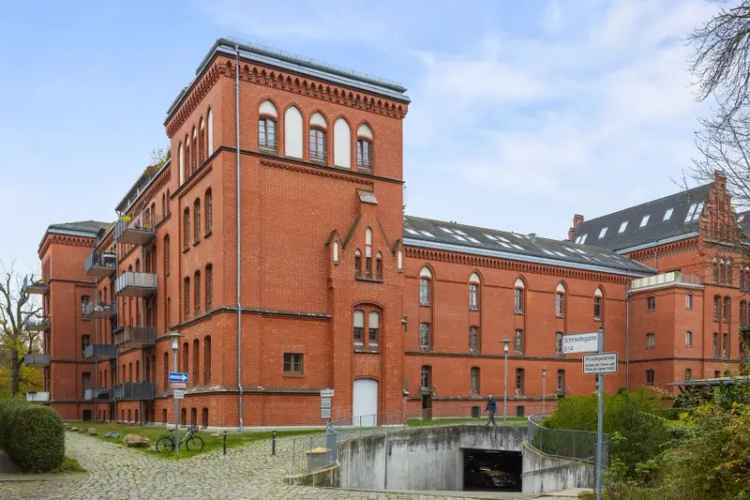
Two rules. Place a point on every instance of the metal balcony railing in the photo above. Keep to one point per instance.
(100, 351)
(40, 287)
(133, 391)
(133, 232)
(136, 284)
(37, 397)
(37, 325)
(134, 336)
(98, 311)
(99, 393)
(36, 359)
(100, 263)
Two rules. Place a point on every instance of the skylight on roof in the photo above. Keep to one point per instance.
(560, 254)
(583, 239)
(506, 240)
(698, 211)
(489, 237)
(690, 212)
(474, 240)
(645, 219)
(445, 229)
(459, 232)
(603, 233)
(548, 252)
(411, 231)
(667, 214)
(506, 245)
(428, 234)
(741, 218)
(459, 237)
(623, 227)
(517, 247)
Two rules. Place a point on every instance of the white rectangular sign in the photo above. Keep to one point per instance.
(600, 363)
(581, 342)
(179, 393)
(326, 393)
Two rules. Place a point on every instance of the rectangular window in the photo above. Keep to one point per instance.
(688, 374)
(561, 382)
(715, 345)
(518, 300)
(424, 291)
(520, 381)
(558, 342)
(358, 334)
(650, 340)
(603, 233)
(651, 303)
(473, 296)
(373, 328)
(518, 343)
(209, 287)
(85, 299)
(475, 380)
(425, 337)
(425, 377)
(474, 339)
(293, 363)
(725, 346)
(689, 302)
(650, 377)
(688, 338)
(645, 219)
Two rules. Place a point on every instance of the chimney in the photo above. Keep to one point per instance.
(577, 220)
(720, 179)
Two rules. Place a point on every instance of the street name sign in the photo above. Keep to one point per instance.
(600, 363)
(580, 342)
(178, 385)
(178, 377)
(179, 393)
(325, 403)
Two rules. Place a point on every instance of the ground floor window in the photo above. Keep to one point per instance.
(204, 417)
(520, 411)
(164, 415)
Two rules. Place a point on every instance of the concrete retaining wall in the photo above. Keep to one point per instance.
(546, 473)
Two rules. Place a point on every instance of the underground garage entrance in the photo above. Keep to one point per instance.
(492, 470)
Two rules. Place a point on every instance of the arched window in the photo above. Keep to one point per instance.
(207, 360)
(722, 271)
(729, 271)
(209, 208)
(197, 293)
(197, 220)
(717, 308)
(364, 148)
(293, 132)
(358, 332)
(368, 252)
(425, 287)
(267, 126)
(342, 148)
(201, 140)
(518, 296)
(181, 162)
(317, 140)
(560, 301)
(743, 313)
(357, 262)
(474, 283)
(194, 151)
(209, 286)
(186, 228)
(210, 132)
(335, 252)
(185, 357)
(188, 156)
(598, 298)
(196, 362)
(186, 298)
(715, 265)
(166, 254)
(379, 266)
(727, 308)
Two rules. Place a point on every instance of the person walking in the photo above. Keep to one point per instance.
(491, 409)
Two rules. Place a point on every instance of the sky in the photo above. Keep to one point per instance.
(522, 113)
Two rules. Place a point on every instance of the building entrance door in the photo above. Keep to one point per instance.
(365, 403)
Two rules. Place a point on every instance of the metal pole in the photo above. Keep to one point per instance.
(273, 443)
(600, 423)
(505, 394)
(544, 390)
(238, 229)
(176, 405)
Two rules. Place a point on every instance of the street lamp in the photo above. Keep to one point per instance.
(174, 342)
(506, 349)
(544, 390)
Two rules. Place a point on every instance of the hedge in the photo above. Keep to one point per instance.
(33, 436)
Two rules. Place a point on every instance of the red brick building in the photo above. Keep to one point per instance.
(274, 242)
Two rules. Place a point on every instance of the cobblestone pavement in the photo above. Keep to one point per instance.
(118, 473)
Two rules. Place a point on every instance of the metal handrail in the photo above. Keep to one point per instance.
(570, 443)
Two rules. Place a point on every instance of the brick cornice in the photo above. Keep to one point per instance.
(62, 239)
(197, 91)
(428, 254)
(666, 249)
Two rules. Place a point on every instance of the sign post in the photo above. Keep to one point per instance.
(177, 382)
(600, 421)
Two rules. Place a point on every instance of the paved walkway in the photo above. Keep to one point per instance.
(118, 473)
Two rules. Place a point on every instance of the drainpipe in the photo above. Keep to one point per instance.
(238, 228)
(627, 338)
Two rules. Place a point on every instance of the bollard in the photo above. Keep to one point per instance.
(273, 443)
(225, 442)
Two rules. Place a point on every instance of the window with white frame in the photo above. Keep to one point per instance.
(474, 283)
(425, 287)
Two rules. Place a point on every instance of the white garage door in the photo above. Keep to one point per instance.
(365, 408)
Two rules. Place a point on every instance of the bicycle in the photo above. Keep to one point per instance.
(190, 440)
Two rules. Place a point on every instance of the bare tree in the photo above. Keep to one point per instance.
(722, 66)
(17, 313)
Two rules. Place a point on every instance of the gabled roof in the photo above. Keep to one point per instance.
(430, 233)
(670, 218)
(82, 228)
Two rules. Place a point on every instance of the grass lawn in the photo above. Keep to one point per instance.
(153, 433)
(511, 421)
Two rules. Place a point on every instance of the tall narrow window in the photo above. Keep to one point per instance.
(209, 287)
(185, 357)
(743, 313)
(651, 303)
(520, 381)
(197, 293)
(725, 346)
(474, 283)
(425, 337)
(317, 143)
(201, 141)
(715, 265)
(342, 144)
(181, 161)
(518, 341)
(598, 297)
(165, 371)
(650, 377)
(379, 266)
(561, 382)
(357, 262)
(689, 301)
(558, 342)
(196, 221)
(688, 338)
(368, 252)
(207, 360)
(474, 342)
(196, 362)
(717, 308)
(560, 301)
(425, 377)
(715, 345)
(729, 273)
(727, 308)
(186, 228)
(650, 340)
(209, 208)
(358, 333)
(364, 148)
(425, 287)
(267, 126)
(293, 132)
(186, 298)
(688, 374)
(373, 329)
(518, 297)
(210, 132)
(475, 380)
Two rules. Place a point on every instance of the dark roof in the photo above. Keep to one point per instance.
(743, 219)
(503, 244)
(140, 185)
(679, 225)
(91, 227)
(299, 65)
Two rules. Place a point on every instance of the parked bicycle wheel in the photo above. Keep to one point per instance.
(195, 443)
(165, 444)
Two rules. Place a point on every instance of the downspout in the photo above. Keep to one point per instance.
(238, 228)
(627, 339)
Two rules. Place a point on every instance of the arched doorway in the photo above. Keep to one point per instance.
(365, 403)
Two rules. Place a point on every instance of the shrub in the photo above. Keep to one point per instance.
(32, 435)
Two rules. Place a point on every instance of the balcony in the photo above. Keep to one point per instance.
(134, 391)
(37, 325)
(100, 264)
(133, 233)
(37, 359)
(98, 393)
(99, 311)
(40, 287)
(134, 336)
(132, 284)
(666, 279)
(100, 351)
(37, 397)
